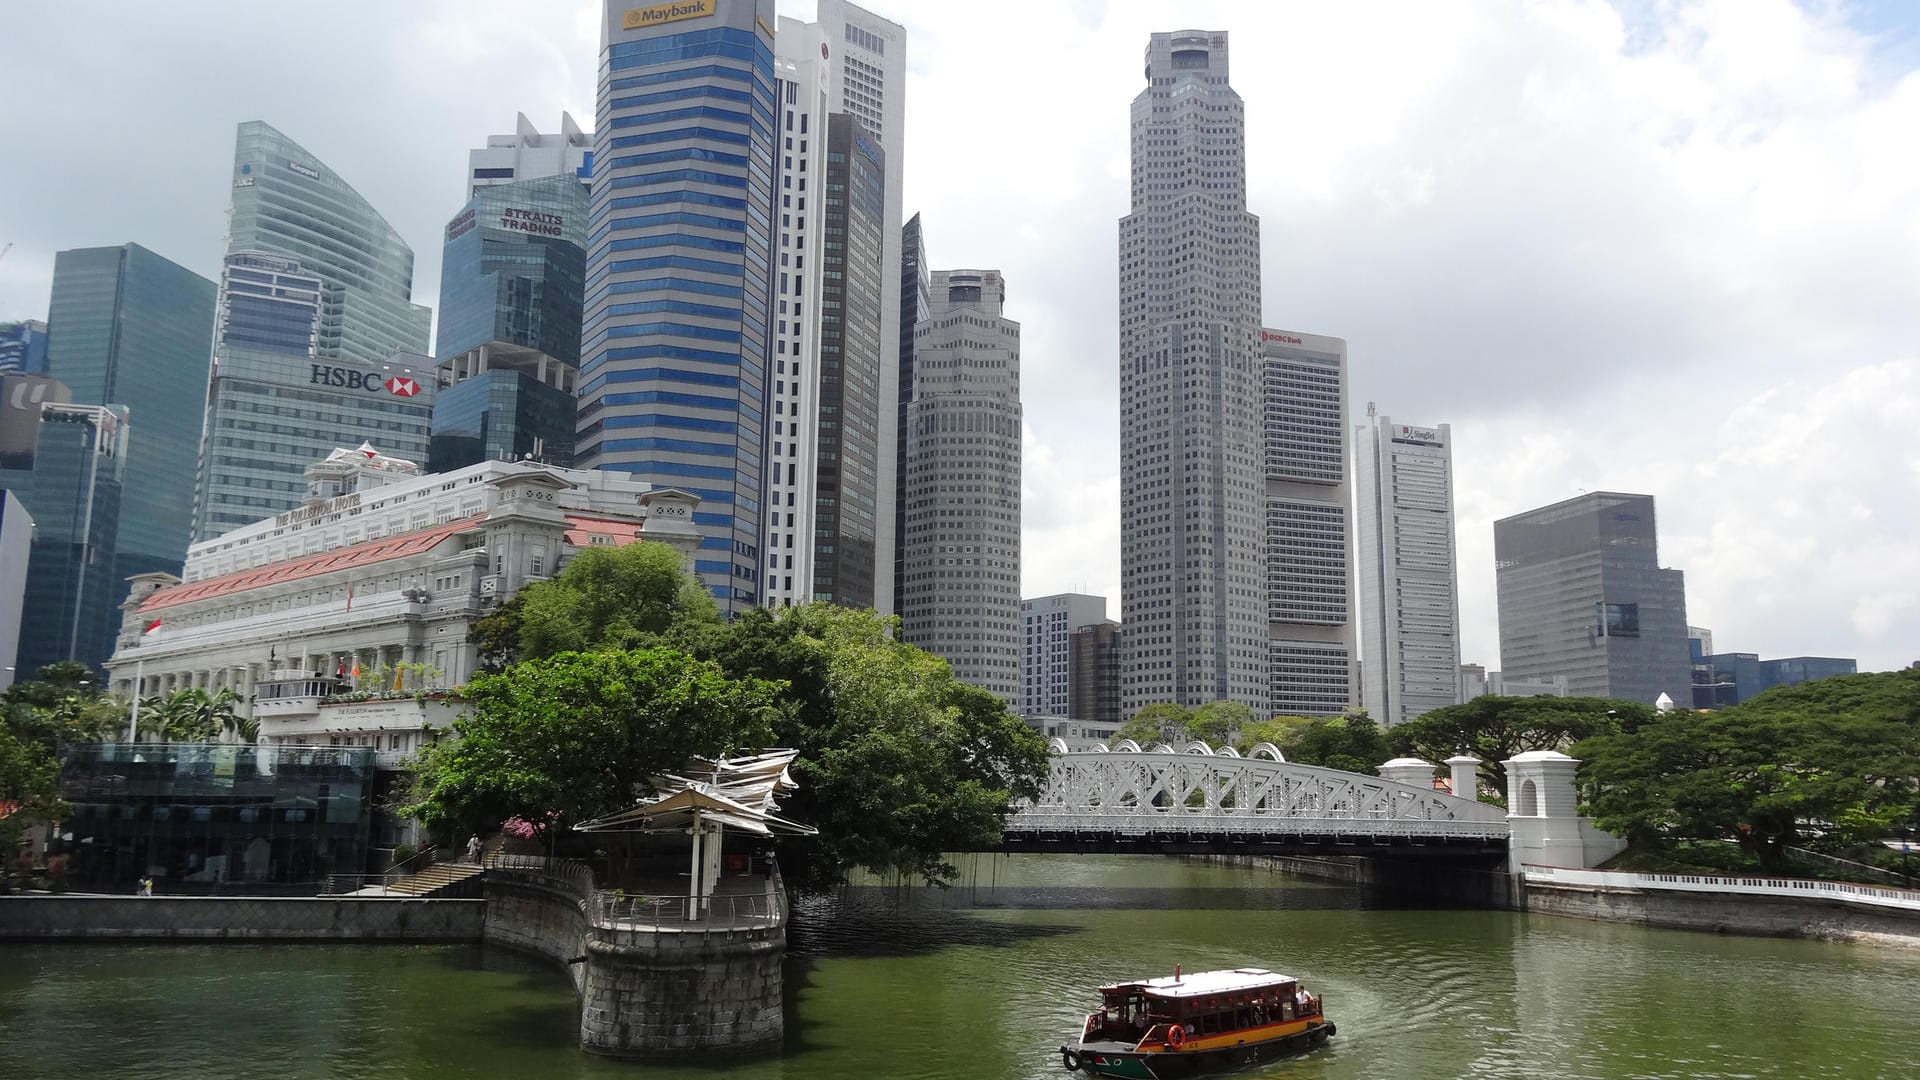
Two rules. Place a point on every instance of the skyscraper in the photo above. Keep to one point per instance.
(317, 340)
(23, 347)
(128, 327)
(16, 550)
(962, 594)
(1409, 591)
(915, 303)
(1046, 662)
(1309, 576)
(1193, 586)
(1582, 594)
(72, 485)
(676, 336)
(512, 276)
(868, 81)
(526, 154)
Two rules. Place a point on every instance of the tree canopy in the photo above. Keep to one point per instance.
(1494, 728)
(1213, 723)
(568, 738)
(899, 762)
(1833, 762)
(607, 597)
(1352, 743)
(61, 706)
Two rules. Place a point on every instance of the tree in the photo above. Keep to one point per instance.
(1282, 731)
(899, 762)
(39, 717)
(1494, 729)
(1352, 743)
(572, 737)
(625, 597)
(1217, 721)
(1834, 762)
(1160, 722)
(496, 637)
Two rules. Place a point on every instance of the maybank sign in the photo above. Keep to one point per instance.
(641, 18)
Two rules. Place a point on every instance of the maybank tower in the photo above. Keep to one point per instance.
(674, 341)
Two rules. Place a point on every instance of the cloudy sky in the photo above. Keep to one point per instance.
(1670, 248)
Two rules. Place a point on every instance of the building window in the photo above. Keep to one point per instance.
(1620, 620)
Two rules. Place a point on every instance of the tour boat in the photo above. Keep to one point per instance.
(1156, 1029)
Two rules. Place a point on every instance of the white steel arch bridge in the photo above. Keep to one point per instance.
(1197, 799)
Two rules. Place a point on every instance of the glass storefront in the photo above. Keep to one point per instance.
(215, 817)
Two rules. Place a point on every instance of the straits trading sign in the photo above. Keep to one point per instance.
(537, 222)
(641, 18)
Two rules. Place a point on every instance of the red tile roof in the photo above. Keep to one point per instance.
(581, 530)
(306, 566)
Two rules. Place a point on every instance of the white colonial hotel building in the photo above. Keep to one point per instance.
(381, 567)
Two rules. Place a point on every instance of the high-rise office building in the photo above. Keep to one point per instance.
(867, 80)
(1191, 531)
(676, 336)
(128, 327)
(915, 303)
(1409, 589)
(317, 340)
(1582, 594)
(1093, 659)
(526, 154)
(793, 445)
(16, 550)
(512, 276)
(962, 594)
(1046, 662)
(23, 347)
(1309, 577)
(72, 486)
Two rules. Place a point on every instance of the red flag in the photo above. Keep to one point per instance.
(151, 627)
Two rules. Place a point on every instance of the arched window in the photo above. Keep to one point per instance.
(1527, 802)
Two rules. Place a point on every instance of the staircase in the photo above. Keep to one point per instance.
(443, 880)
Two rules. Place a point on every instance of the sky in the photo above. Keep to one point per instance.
(1647, 246)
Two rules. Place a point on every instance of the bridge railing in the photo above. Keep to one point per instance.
(1315, 823)
(1802, 888)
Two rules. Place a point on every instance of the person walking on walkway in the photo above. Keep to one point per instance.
(474, 848)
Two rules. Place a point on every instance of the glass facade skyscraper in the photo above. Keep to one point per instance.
(318, 343)
(128, 327)
(23, 346)
(73, 488)
(1582, 595)
(675, 341)
(511, 280)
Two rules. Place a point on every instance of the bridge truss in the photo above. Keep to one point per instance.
(1199, 799)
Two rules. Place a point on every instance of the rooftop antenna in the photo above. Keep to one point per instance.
(1370, 409)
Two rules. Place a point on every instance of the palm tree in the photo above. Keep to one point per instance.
(227, 720)
(185, 716)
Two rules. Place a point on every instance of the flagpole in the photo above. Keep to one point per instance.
(139, 683)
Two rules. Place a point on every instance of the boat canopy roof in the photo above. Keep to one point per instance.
(1203, 983)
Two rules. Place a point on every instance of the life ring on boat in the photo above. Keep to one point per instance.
(1069, 1059)
(1176, 1036)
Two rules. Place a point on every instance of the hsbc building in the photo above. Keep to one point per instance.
(270, 415)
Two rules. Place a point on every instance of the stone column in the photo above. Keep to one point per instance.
(1408, 770)
(1466, 776)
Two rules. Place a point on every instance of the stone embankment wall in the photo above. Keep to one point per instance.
(240, 918)
(645, 992)
(1728, 914)
(1441, 881)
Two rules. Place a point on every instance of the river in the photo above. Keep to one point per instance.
(986, 980)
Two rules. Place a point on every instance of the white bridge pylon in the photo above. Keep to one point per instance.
(1126, 791)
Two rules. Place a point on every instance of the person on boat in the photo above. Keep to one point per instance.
(1303, 1002)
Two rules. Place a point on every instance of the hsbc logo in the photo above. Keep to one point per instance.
(369, 382)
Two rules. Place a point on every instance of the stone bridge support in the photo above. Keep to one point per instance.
(1543, 816)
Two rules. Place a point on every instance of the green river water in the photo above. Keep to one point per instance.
(986, 980)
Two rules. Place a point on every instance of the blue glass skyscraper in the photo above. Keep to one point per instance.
(23, 346)
(128, 327)
(511, 277)
(674, 345)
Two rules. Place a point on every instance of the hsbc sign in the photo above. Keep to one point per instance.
(369, 382)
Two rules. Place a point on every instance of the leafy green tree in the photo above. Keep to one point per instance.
(39, 717)
(496, 637)
(899, 762)
(619, 598)
(1217, 721)
(1282, 731)
(1834, 762)
(572, 737)
(1352, 742)
(1494, 729)
(1160, 722)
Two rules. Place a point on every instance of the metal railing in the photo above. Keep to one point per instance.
(614, 910)
(1752, 885)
